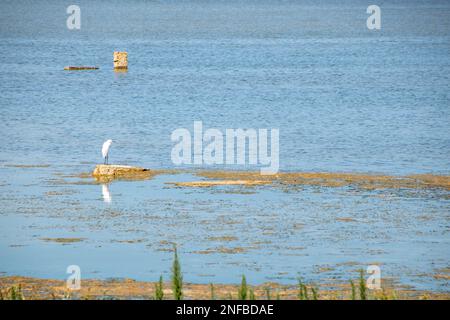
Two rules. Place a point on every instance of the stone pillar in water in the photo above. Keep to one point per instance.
(120, 60)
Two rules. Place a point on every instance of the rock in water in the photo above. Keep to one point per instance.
(118, 171)
(80, 68)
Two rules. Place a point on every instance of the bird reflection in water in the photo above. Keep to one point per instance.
(106, 194)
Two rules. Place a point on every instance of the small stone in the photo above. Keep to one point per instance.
(80, 68)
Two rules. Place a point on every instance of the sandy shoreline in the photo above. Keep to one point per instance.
(43, 289)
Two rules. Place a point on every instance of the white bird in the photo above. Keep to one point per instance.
(105, 150)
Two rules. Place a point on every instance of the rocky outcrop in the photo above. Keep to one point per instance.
(110, 171)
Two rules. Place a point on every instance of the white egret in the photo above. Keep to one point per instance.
(105, 150)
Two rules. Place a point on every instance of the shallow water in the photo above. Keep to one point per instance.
(270, 234)
(343, 97)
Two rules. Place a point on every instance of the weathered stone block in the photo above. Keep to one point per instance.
(120, 60)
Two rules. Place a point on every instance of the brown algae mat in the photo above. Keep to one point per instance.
(212, 183)
(36, 288)
(363, 181)
(108, 173)
(63, 240)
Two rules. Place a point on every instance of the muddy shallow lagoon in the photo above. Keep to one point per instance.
(56, 217)
(363, 118)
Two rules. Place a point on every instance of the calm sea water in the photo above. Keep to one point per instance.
(344, 98)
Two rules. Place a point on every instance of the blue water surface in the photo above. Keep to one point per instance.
(345, 99)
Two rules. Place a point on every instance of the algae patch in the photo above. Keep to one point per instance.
(220, 183)
(63, 240)
(326, 179)
(27, 165)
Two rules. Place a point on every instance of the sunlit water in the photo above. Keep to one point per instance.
(344, 99)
